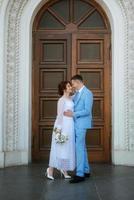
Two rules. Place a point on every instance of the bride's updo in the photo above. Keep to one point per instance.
(62, 86)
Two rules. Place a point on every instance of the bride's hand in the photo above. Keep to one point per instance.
(68, 113)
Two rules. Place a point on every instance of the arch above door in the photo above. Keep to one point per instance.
(84, 14)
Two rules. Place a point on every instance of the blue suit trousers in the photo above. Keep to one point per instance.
(82, 165)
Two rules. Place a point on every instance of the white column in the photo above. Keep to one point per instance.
(3, 5)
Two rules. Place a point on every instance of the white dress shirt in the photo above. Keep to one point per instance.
(80, 90)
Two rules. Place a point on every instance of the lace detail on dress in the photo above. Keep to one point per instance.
(62, 156)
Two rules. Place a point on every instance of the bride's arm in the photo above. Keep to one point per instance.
(60, 110)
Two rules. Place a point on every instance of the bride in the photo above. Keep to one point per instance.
(62, 154)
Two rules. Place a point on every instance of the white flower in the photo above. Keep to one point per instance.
(59, 137)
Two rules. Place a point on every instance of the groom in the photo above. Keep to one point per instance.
(83, 101)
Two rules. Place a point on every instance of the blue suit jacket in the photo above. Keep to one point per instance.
(83, 109)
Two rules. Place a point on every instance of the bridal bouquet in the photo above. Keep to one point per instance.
(59, 137)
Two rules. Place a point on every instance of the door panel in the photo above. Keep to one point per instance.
(51, 66)
(46, 77)
(89, 50)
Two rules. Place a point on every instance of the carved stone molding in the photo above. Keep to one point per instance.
(126, 86)
(129, 6)
(1, 3)
(12, 82)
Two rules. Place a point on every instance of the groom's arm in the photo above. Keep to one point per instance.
(88, 102)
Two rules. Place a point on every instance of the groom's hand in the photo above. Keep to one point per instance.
(68, 113)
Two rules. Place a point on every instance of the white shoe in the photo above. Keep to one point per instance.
(48, 176)
(65, 176)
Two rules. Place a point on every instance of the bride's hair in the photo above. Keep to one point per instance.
(62, 86)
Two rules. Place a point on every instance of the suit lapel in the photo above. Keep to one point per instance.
(77, 100)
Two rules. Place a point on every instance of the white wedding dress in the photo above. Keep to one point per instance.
(62, 156)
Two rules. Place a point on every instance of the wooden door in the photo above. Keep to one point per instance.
(90, 58)
(51, 66)
(70, 37)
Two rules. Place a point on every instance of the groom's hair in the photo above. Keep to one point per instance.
(77, 77)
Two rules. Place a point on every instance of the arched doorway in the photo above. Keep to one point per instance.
(69, 37)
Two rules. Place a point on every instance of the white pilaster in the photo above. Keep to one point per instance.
(3, 7)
